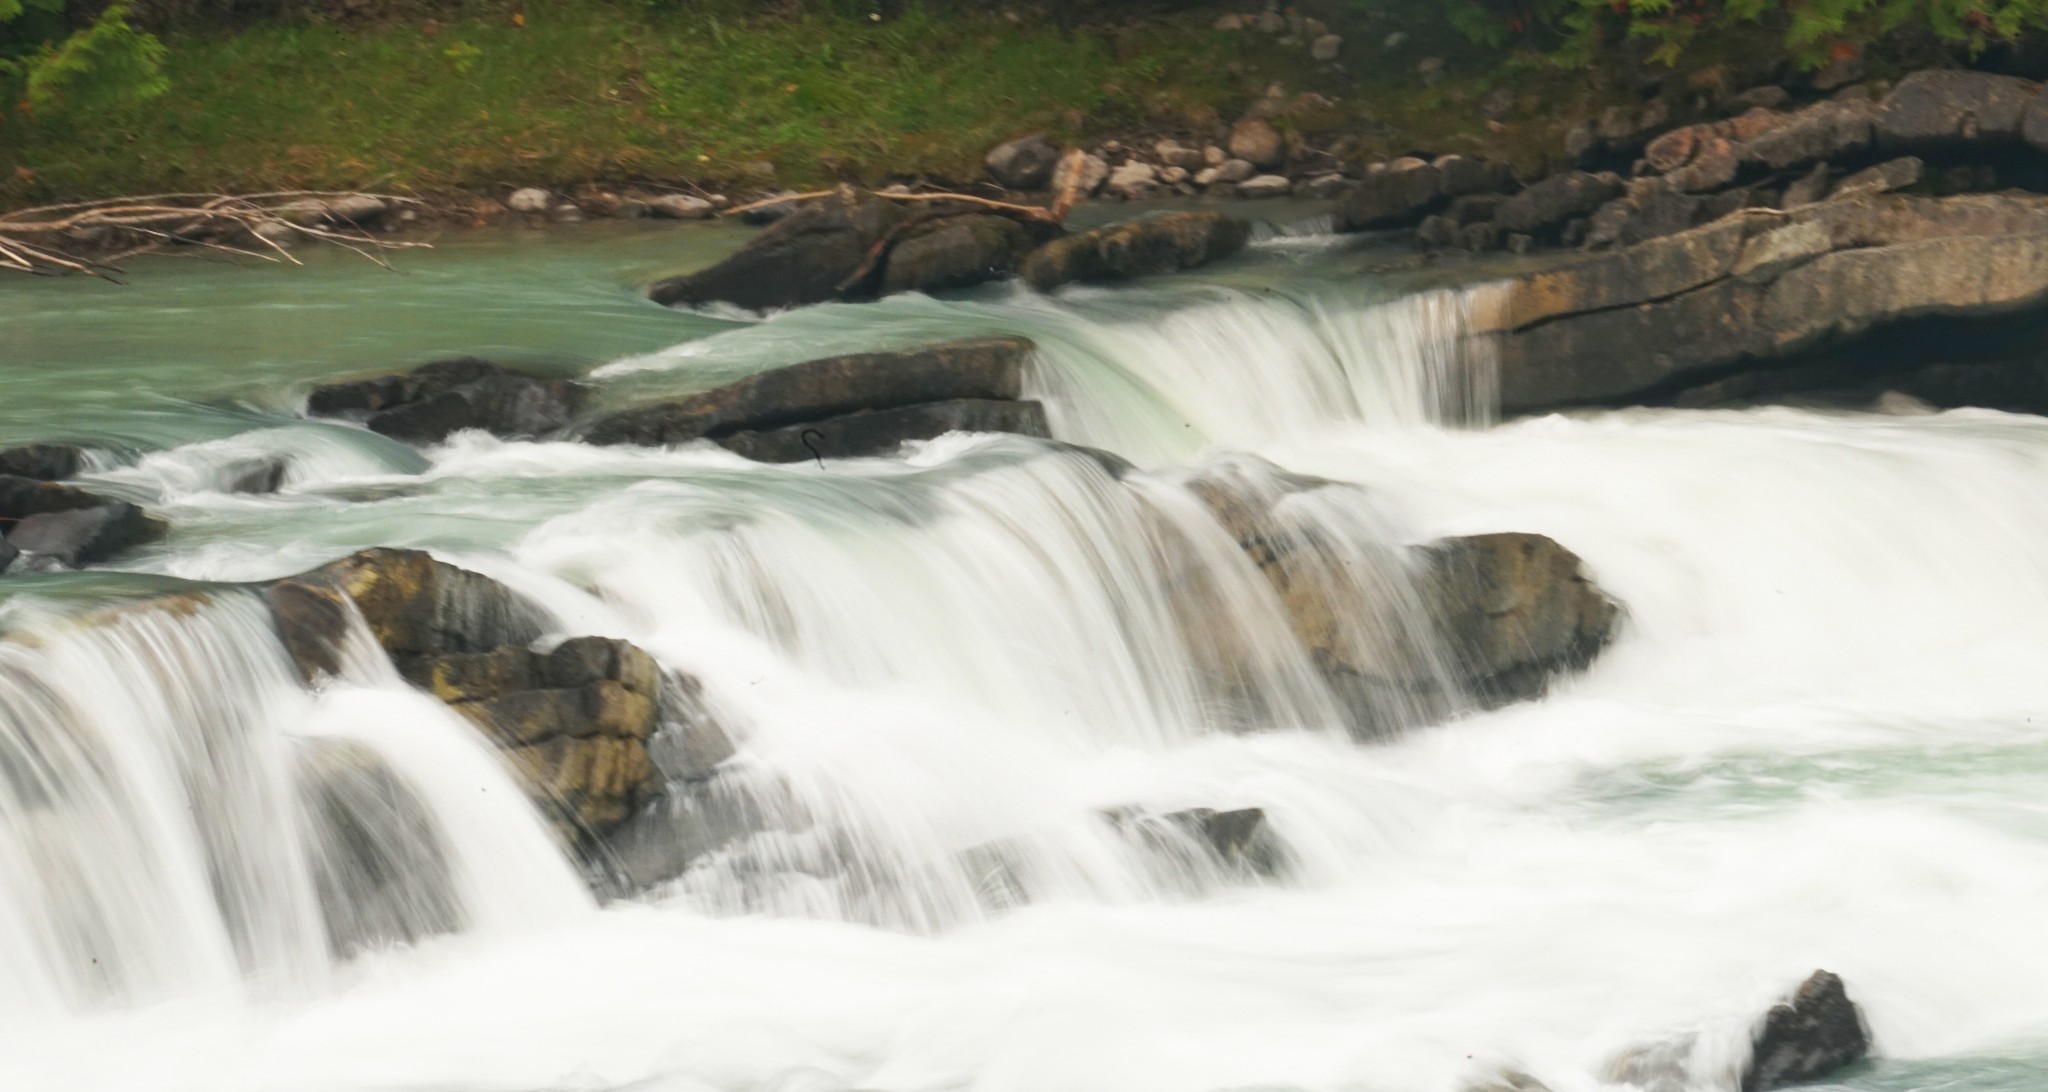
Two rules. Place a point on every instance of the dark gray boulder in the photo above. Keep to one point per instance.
(956, 252)
(881, 432)
(984, 368)
(1391, 199)
(43, 462)
(1137, 248)
(439, 398)
(815, 254)
(1025, 163)
(1552, 202)
(1814, 1033)
(81, 536)
(1238, 839)
(1941, 108)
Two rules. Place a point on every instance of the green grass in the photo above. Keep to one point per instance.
(586, 91)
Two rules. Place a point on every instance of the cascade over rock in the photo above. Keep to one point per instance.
(860, 404)
(1813, 1033)
(381, 870)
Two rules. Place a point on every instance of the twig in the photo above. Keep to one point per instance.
(182, 218)
(1031, 212)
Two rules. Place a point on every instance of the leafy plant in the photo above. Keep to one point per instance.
(43, 68)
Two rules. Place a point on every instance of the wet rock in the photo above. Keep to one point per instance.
(81, 536)
(1883, 178)
(1938, 108)
(256, 476)
(1025, 163)
(1173, 153)
(1511, 1080)
(1515, 611)
(1255, 141)
(1083, 175)
(440, 398)
(1138, 248)
(1391, 199)
(956, 252)
(1555, 200)
(1818, 1031)
(883, 432)
(1233, 171)
(1323, 187)
(1239, 839)
(679, 206)
(414, 605)
(1134, 180)
(8, 554)
(982, 369)
(43, 462)
(814, 254)
(379, 869)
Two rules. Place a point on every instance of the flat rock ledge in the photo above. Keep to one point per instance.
(1929, 295)
(846, 406)
(437, 399)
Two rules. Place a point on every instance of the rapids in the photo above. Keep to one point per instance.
(1812, 746)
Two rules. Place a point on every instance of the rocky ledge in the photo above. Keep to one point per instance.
(846, 406)
(1933, 296)
(854, 245)
(437, 399)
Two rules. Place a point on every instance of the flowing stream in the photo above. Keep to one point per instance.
(1813, 744)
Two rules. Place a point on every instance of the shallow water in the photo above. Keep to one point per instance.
(1814, 745)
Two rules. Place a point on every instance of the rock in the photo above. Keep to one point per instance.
(1430, 69)
(1437, 233)
(956, 252)
(1214, 156)
(42, 462)
(1883, 178)
(529, 200)
(1768, 97)
(1497, 104)
(1255, 141)
(1474, 208)
(1326, 47)
(379, 869)
(1674, 149)
(565, 214)
(1839, 72)
(1174, 154)
(1767, 293)
(814, 254)
(1507, 1080)
(883, 432)
(1137, 248)
(1555, 200)
(1461, 175)
(1939, 108)
(415, 606)
(265, 475)
(1323, 187)
(1231, 22)
(1239, 839)
(679, 206)
(1515, 610)
(1265, 185)
(1025, 163)
(1391, 198)
(1825, 131)
(8, 555)
(757, 214)
(1395, 40)
(1271, 22)
(78, 537)
(1807, 189)
(986, 369)
(1134, 180)
(1082, 174)
(1235, 171)
(1816, 1032)
(440, 398)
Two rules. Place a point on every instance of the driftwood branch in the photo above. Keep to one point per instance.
(1027, 212)
(90, 236)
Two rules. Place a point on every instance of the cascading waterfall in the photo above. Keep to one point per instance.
(968, 684)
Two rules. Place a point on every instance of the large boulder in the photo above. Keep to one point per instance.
(1767, 293)
(1940, 108)
(1392, 198)
(984, 368)
(1815, 1032)
(1514, 611)
(815, 254)
(53, 526)
(413, 603)
(1136, 248)
(1255, 141)
(1026, 163)
(956, 252)
(442, 397)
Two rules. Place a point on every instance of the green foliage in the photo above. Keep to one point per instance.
(48, 68)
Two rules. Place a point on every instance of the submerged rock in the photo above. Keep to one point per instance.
(379, 868)
(863, 403)
(51, 525)
(1138, 248)
(42, 462)
(1238, 839)
(1515, 611)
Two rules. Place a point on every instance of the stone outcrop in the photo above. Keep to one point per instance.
(1755, 294)
(596, 729)
(1138, 248)
(49, 525)
(860, 404)
(1407, 635)
(1815, 1032)
(438, 399)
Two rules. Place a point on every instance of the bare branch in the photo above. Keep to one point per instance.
(65, 238)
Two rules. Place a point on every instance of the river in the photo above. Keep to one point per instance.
(1813, 744)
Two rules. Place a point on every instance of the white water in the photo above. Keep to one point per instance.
(1814, 746)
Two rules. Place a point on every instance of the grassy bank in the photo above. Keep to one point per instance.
(575, 91)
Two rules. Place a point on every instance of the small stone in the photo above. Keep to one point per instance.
(1255, 141)
(1206, 177)
(1272, 22)
(1266, 185)
(1326, 47)
(529, 200)
(1497, 103)
(1134, 180)
(1174, 154)
(566, 213)
(630, 208)
(1431, 69)
(1322, 187)
(1214, 156)
(680, 206)
(1232, 22)
(1235, 170)
(1396, 40)
(1083, 174)
(1173, 176)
